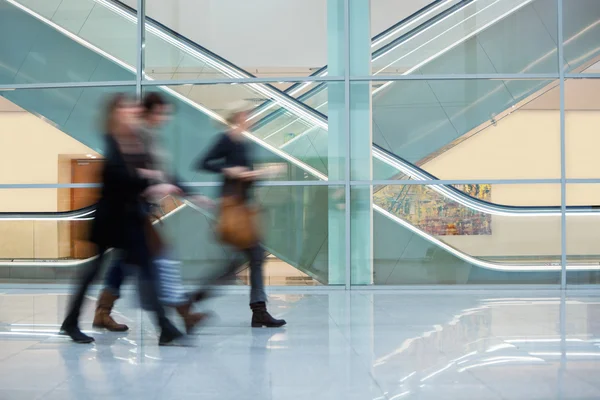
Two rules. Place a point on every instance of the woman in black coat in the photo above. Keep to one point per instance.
(121, 220)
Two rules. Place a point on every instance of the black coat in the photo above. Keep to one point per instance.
(121, 209)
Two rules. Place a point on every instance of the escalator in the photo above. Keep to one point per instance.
(415, 121)
(49, 49)
(311, 254)
(418, 120)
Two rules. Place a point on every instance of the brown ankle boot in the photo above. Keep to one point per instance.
(189, 318)
(102, 318)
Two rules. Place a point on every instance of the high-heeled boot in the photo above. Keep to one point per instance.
(261, 317)
(102, 318)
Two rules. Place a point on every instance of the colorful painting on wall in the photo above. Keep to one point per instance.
(434, 213)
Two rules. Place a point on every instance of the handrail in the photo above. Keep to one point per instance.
(494, 266)
(377, 53)
(474, 203)
(374, 41)
(467, 258)
(85, 213)
(270, 89)
(405, 37)
(417, 14)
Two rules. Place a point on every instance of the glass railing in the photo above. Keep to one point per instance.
(113, 57)
(466, 37)
(65, 55)
(312, 255)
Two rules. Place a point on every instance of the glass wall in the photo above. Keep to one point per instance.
(449, 143)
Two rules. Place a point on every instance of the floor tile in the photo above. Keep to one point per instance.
(379, 345)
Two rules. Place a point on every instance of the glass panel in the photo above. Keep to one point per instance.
(583, 255)
(304, 236)
(582, 35)
(65, 41)
(466, 129)
(272, 40)
(53, 135)
(303, 227)
(486, 36)
(285, 133)
(423, 237)
(56, 127)
(582, 115)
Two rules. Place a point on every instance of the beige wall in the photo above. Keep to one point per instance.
(29, 153)
(526, 144)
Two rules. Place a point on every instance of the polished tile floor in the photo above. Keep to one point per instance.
(338, 345)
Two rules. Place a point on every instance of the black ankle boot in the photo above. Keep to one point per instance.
(73, 331)
(168, 333)
(260, 317)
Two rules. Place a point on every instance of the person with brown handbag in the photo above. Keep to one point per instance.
(237, 220)
(121, 219)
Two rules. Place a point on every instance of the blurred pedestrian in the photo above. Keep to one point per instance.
(231, 156)
(122, 218)
(155, 113)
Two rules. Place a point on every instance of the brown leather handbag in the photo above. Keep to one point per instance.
(237, 224)
(153, 238)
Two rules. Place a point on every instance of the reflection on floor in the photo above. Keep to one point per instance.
(276, 273)
(337, 345)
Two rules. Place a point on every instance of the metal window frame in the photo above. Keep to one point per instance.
(139, 83)
(563, 155)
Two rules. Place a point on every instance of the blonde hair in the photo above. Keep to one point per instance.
(234, 110)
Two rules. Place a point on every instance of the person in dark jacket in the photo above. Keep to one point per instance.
(155, 113)
(230, 156)
(121, 219)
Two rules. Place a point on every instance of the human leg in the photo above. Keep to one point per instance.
(70, 325)
(139, 254)
(106, 300)
(258, 297)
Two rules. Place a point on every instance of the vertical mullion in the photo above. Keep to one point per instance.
(563, 156)
(138, 91)
(141, 18)
(348, 243)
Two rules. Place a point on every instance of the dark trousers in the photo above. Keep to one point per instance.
(138, 253)
(256, 258)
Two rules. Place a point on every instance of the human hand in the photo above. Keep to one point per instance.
(163, 189)
(235, 172)
(250, 176)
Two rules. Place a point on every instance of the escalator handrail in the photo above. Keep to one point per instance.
(215, 57)
(462, 198)
(394, 43)
(469, 201)
(482, 263)
(79, 214)
(415, 15)
(405, 37)
(406, 20)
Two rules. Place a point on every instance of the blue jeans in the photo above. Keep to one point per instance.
(115, 276)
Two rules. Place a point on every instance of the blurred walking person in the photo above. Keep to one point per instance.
(122, 220)
(231, 156)
(155, 113)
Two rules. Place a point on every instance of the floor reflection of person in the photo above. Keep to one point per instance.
(230, 156)
(121, 219)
